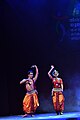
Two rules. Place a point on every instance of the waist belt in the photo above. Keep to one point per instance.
(57, 89)
(32, 91)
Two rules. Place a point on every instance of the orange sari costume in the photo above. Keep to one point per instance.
(57, 95)
(30, 101)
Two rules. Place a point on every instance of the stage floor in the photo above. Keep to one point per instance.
(49, 116)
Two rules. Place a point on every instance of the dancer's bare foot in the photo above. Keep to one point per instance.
(32, 115)
(61, 113)
(25, 115)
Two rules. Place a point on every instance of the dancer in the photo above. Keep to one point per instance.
(57, 91)
(30, 101)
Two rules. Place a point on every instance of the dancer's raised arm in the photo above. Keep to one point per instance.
(36, 75)
(52, 67)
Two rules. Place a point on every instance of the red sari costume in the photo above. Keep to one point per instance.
(57, 95)
(30, 101)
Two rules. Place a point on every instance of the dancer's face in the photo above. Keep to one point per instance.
(30, 75)
(56, 74)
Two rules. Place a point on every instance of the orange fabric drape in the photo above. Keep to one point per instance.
(58, 101)
(30, 103)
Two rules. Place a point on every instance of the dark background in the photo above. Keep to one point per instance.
(32, 33)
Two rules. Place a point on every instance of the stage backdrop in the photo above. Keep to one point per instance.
(41, 32)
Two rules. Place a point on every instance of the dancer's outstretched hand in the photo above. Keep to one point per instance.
(33, 66)
(52, 66)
